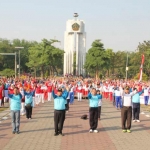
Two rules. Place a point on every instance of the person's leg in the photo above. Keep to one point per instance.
(17, 114)
(111, 96)
(124, 117)
(138, 112)
(68, 101)
(120, 102)
(0, 102)
(49, 96)
(117, 101)
(114, 101)
(42, 97)
(145, 98)
(33, 102)
(78, 96)
(134, 113)
(56, 121)
(30, 112)
(91, 119)
(95, 118)
(61, 121)
(71, 97)
(13, 120)
(99, 112)
(129, 118)
(27, 112)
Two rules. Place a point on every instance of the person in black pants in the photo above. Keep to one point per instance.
(93, 110)
(28, 103)
(28, 111)
(136, 105)
(60, 110)
(99, 104)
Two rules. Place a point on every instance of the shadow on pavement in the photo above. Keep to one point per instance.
(45, 129)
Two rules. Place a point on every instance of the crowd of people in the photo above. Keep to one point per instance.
(25, 94)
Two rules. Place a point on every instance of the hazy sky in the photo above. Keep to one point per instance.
(120, 24)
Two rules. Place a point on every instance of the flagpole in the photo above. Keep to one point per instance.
(127, 67)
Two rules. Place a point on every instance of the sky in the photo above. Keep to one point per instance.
(120, 24)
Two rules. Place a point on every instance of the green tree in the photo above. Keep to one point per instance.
(45, 54)
(96, 57)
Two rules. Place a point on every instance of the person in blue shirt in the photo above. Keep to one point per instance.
(59, 110)
(15, 106)
(136, 105)
(99, 104)
(28, 103)
(93, 110)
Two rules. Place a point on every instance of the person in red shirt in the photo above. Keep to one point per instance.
(1, 95)
(49, 90)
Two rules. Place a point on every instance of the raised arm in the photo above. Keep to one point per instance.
(141, 92)
(89, 95)
(53, 94)
(65, 94)
(10, 95)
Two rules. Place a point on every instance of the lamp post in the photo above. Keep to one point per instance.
(19, 57)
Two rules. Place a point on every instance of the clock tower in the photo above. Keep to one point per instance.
(74, 45)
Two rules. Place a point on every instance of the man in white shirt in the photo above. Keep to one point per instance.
(126, 111)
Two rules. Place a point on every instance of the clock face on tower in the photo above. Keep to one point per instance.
(75, 27)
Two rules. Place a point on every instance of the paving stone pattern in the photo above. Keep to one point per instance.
(38, 133)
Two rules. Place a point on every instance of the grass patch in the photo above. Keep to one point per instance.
(146, 108)
(3, 108)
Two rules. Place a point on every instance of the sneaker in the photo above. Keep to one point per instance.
(124, 131)
(134, 121)
(29, 118)
(61, 134)
(95, 131)
(129, 131)
(56, 134)
(138, 120)
(13, 132)
(91, 131)
(17, 132)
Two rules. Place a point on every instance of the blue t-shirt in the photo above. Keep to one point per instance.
(15, 103)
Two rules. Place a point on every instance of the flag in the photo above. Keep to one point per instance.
(141, 68)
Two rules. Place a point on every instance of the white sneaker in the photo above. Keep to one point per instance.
(138, 120)
(91, 131)
(134, 120)
(95, 131)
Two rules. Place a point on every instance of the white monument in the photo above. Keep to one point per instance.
(75, 42)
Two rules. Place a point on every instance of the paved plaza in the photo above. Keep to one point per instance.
(38, 133)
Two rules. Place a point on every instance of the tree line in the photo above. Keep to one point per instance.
(103, 63)
(37, 58)
(44, 59)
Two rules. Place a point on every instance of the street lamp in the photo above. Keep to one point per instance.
(19, 57)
